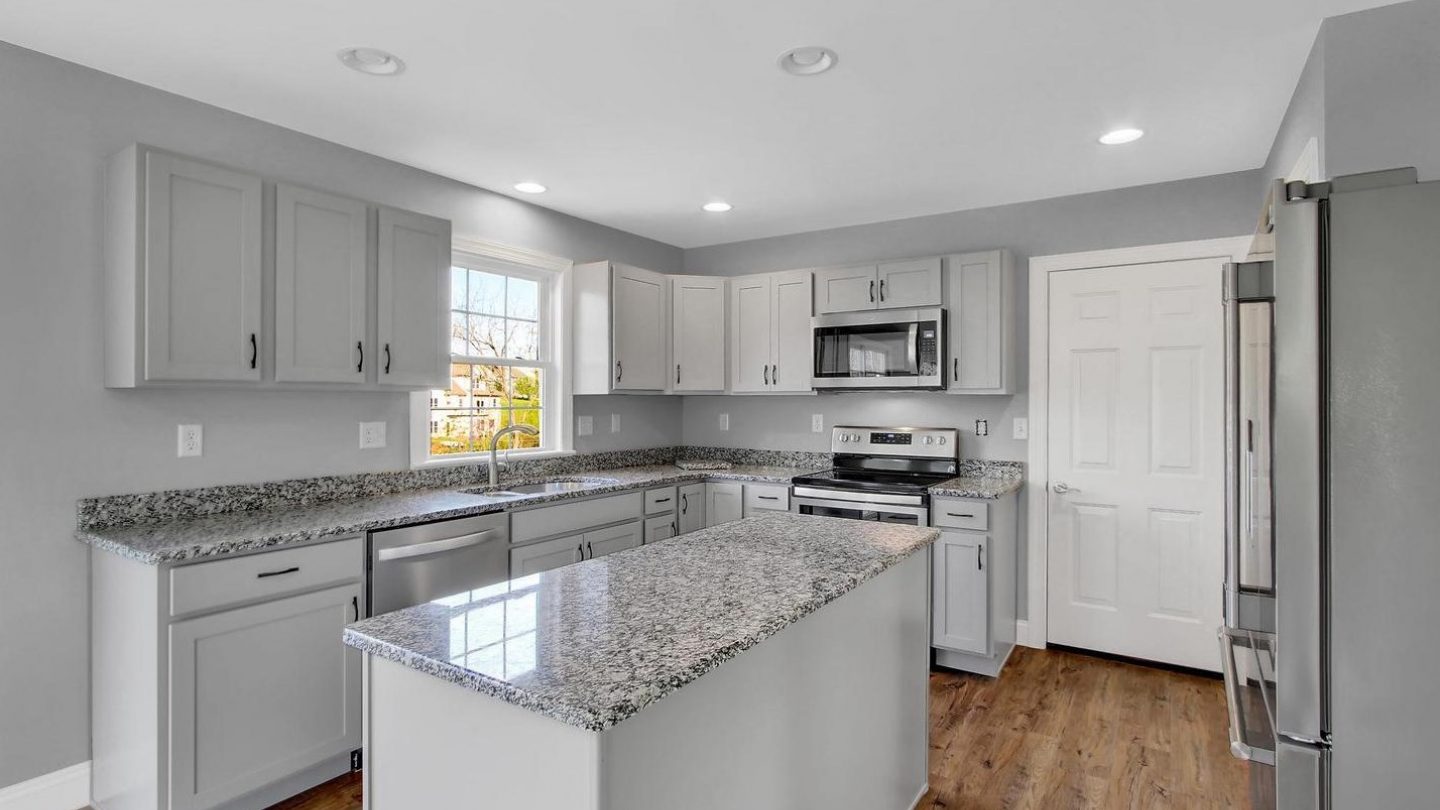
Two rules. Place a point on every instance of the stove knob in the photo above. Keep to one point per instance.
(854, 437)
(940, 439)
(929, 439)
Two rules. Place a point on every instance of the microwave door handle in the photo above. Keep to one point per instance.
(913, 349)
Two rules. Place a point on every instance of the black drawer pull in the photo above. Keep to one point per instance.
(768, 497)
(952, 514)
(662, 500)
(294, 569)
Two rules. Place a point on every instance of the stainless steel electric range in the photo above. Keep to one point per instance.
(879, 473)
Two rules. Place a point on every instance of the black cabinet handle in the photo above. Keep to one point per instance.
(674, 530)
(619, 371)
(254, 350)
(767, 373)
(677, 373)
(360, 347)
(957, 369)
(882, 289)
(294, 569)
(580, 549)
(775, 374)
(684, 504)
(662, 500)
(872, 292)
(956, 514)
(355, 603)
(768, 497)
(387, 358)
(979, 566)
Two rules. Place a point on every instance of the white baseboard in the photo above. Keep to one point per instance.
(1022, 636)
(65, 789)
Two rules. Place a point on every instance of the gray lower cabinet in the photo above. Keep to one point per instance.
(223, 683)
(660, 528)
(691, 511)
(724, 502)
(546, 554)
(973, 566)
(962, 593)
(260, 692)
(616, 538)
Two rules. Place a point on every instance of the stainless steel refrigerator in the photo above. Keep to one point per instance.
(1332, 595)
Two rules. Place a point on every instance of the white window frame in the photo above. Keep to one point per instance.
(553, 275)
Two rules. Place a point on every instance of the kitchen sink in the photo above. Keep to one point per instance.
(555, 486)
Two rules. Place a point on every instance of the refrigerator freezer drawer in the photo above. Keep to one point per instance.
(1301, 776)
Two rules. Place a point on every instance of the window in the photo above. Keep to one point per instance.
(503, 368)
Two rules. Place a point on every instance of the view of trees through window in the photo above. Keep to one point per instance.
(493, 317)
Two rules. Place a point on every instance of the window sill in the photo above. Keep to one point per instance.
(484, 458)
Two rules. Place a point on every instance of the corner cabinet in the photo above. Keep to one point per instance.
(981, 303)
(771, 348)
(183, 271)
(188, 283)
(974, 571)
(621, 320)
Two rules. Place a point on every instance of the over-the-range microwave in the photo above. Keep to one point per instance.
(895, 348)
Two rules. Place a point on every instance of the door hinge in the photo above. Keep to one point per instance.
(357, 759)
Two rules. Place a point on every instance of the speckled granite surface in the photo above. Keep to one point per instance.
(257, 529)
(983, 479)
(615, 634)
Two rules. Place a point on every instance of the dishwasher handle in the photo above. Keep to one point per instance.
(434, 546)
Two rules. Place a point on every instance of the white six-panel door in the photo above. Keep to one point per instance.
(1135, 461)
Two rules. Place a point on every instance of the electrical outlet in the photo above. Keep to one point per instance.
(191, 441)
(372, 435)
(1021, 428)
(614, 423)
(982, 427)
(817, 423)
(585, 425)
(724, 421)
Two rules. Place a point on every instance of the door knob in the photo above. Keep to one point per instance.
(1060, 488)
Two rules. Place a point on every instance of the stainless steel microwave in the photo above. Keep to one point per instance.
(893, 348)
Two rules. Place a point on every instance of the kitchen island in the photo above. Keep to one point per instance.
(775, 662)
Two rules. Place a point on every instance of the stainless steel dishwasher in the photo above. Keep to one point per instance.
(415, 564)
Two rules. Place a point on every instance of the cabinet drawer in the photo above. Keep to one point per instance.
(257, 576)
(659, 500)
(766, 498)
(572, 517)
(952, 513)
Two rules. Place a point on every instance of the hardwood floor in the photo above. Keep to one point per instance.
(1056, 730)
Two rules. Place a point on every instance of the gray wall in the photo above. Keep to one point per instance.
(1304, 119)
(64, 436)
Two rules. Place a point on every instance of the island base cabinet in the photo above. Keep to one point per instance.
(253, 695)
(755, 733)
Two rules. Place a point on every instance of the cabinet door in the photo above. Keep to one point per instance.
(638, 323)
(981, 340)
(260, 693)
(660, 528)
(961, 593)
(750, 341)
(616, 538)
(792, 355)
(414, 292)
(320, 253)
(543, 556)
(724, 502)
(202, 271)
(692, 507)
(912, 283)
(846, 289)
(698, 326)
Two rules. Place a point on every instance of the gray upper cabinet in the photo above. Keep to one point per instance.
(981, 323)
(698, 333)
(909, 283)
(770, 339)
(414, 296)
(846, 289)
(621, 330)
(183, 275)
(320, 287)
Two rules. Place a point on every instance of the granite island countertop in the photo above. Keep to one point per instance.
(615, 634)
(257, 530)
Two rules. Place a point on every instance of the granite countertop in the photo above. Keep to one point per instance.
(615, 634)
(256, 530)
(977, 486)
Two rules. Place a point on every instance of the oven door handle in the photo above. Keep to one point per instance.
(920, 513)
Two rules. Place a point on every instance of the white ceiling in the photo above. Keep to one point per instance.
(635, 112)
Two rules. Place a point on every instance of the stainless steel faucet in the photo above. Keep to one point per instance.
(495, 442)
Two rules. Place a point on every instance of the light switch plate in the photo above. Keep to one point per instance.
(817, 423)
(1021, 429)
(585, 425)
(724, 421)
(614, 423)
(191, 441)
(372, 435)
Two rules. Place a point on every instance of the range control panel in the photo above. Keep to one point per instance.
(896, 441)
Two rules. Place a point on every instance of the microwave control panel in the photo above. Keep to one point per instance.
(929, 352)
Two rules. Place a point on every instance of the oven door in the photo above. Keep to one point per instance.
(860, 510)
(893, 349)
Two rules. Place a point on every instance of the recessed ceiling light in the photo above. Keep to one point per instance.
(530, 188)
(1119, 136)
(807, 61)
(717, 207)
(372, 61)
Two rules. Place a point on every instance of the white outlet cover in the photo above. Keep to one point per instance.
(614, 423)
(817, 423)
(1021, 429)
(982, 427)
(724, 421)
(372, 435)
(190, 441)
(585, 425)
